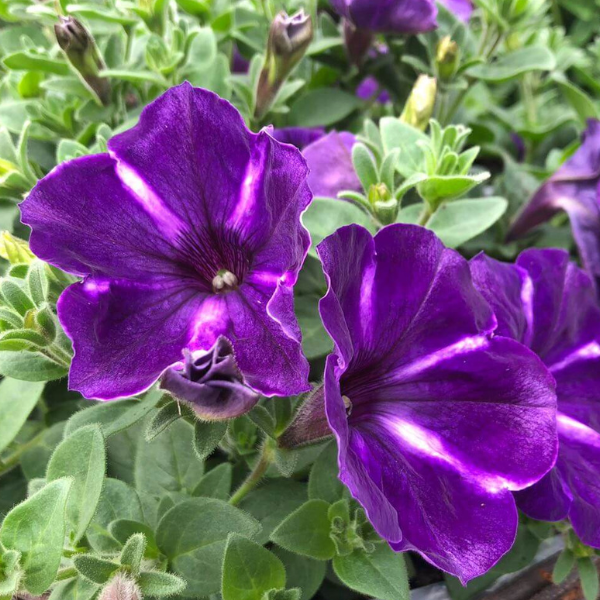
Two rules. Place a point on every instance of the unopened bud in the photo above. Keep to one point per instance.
(421, 102)
(358, 42)
(15, 250)
(121, 588)
(289, 38)
(81, 50)
(447, 58)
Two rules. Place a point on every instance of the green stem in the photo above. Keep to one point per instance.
(425, 216)
(13, 460)
(264, 460)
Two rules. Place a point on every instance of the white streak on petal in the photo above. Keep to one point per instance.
(94, 287)
(527, 302)
(210, 322)
(367, 300)
(464, 346)
(165, 220)
(573, 429)
(587, 352)
(251, 187)
(427, 443)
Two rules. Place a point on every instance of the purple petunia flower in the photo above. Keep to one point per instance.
(298, 136)
(369, 87)
(548, 303)
(436, 419)
(574, 189)
(330, 162)
(389, 16)
(188, 230)
(463, 9)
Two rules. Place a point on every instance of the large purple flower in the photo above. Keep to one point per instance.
(437, 420)
(549, 304)
(330, 163)
(574, 189)
(189, 229)
(389, 16)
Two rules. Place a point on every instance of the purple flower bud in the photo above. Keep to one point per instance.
(289, 38)
(121, 588)
(81, 50)
(358, 42)
(211, 383)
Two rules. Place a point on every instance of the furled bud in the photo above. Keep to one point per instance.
(211, 383)
(81, 50)
(421, 102)
(121, 588)
(289, 38)
(358, 42)
(310, 424)
(447, 58)
(15, 250)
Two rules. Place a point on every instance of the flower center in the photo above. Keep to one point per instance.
(224, 282)
(348, 405)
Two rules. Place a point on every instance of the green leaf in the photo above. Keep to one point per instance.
(249, 570)
(323, 107)
(36, 529)
(364, 165)
(207, 437)
(582, 104)
(97, 570)
(123, 529)
(514, 64)
(29, 366)
(161, 419)
(307, 531)
(168, 463)
(302, 572)
(193, 535)
(294, 594)
(438, 188)
(216, 483)
(81, 456)
(272, 503)
(396, 135)
(381, 573)
(564, 565)
(589, 578)
(133, 552)
(17, 400)
(116, 416)
(117, 501)
(140, 76)
(75, 589)
(315, 340)
(326, 215)
(160, 585)
(323, 483)
(457, 222)
(27, 61)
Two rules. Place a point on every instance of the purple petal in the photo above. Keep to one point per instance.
(298, 136)
(85, 221)
(125, 333)
(389, 16)
(369, 87)
(463, 9)
(430, 412)
(556, 300)
(574, 189)
(330, 162)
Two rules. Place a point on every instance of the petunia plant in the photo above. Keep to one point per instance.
(299, 300)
